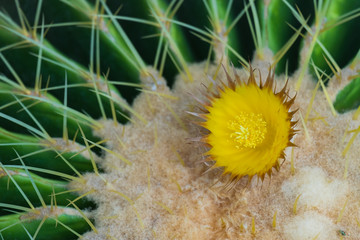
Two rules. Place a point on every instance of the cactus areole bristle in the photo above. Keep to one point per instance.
(249, 126)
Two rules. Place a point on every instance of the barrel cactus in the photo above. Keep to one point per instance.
(159, 119)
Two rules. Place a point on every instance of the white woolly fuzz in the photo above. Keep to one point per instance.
(310, 225)
(316, 189)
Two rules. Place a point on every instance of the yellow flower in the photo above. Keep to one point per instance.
(249, 125)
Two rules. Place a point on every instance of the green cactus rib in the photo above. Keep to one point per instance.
(348, 98)
(58, 224)
(276, 30)
(54, 68)
(43, 154)
(51, 191)
(147, 10)
(114, 52)
(48, 97)
(334, 37)
(47, 110)
(223, 27)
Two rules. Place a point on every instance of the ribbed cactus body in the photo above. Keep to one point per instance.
(70, 71)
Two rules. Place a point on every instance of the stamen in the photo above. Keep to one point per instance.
(249, 130)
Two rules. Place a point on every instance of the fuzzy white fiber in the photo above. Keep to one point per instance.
(315, 189)
(310, 225)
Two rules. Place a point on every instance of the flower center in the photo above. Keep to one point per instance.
(249, 130)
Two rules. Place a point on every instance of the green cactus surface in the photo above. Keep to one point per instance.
(95, 137)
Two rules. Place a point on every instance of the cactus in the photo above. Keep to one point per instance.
(97, 133)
